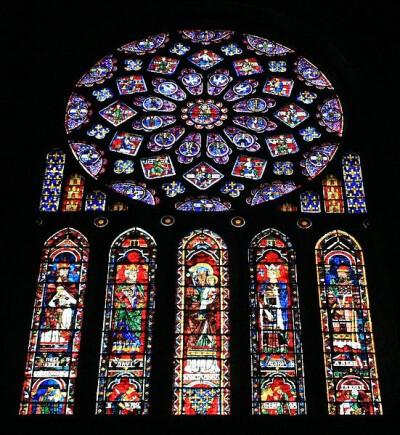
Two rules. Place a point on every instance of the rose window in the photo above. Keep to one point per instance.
(207, 120)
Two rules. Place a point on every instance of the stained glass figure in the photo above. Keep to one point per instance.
(95, 201)
(353, 183)
(278, 86)
(348, 342)
(203, 176)
(247, 67)
(282, 144)
(201, 366)
(52, 181)
(275, 329)
(126, 143)
(124, 372)
(131, 84)
(157, 167)
(310, 202)
(163, 65)
(73, 193)
(53, 351)
(333, 194)
(249, 167)
(207, 95)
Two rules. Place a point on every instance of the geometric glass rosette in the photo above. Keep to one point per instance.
(204, 80)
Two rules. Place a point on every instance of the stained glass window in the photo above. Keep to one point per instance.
(51, 367)
(310, 202)
(201, 365)
(348, 342)
(185, 112)
(73, 193)
(52, 181)
(353, 183)
(275, 329)
(118, 206)
(333, 194)
(95, 201)
(128, 323)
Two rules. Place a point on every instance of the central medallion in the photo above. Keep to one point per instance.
(204, 114)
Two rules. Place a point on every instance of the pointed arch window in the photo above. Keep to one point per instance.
(124, 370)
(333, 194)
(275, 329)
(52, 181)
(353, 183)
(73, 193)
(51, 367)
(350, 366)
(201, 365)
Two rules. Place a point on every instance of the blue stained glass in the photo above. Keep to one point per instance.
(52, 181)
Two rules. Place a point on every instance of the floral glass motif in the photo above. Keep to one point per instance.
(333, 194)
(174, 188)
(98, 131)
(124, 371)
(133, 64)
(73, 193)
(53, 351)
(275, 329)
(353, 183)
(103, 94)
(201, 383)
(310, 202)
(207, 95)
(124, 167)
(52, 181)
(349, 352)
(95, 201)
